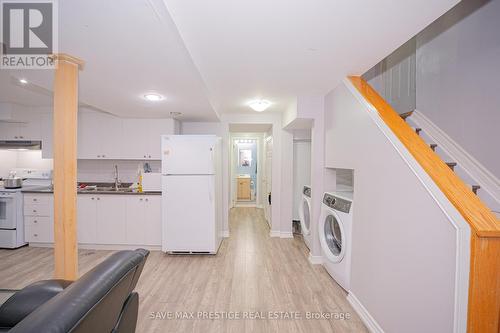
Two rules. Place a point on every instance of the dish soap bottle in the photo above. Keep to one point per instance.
(139, 181)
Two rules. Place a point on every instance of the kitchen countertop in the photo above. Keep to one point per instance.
(93, 191)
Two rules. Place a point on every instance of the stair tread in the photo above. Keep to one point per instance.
(406, 115)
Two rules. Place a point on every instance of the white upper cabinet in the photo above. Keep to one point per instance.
(99, 136)
(22, 124)
(142, 137)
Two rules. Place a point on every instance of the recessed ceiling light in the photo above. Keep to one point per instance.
(152, 97)
(23, 81)
(259, 105)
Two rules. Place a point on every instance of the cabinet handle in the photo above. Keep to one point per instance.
(36, 235)
(92, 198)
(103, 155)
(15, 137)
(98, 198)
(149, 156)
(35, 221)
(140, 199)
(34, 210)
(144, 156)
(146, 199)
(34, 199)
(21, 137)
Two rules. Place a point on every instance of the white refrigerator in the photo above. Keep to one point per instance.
(191, 194)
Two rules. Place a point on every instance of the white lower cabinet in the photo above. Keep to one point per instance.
(86, 219)
(143, 221)
(38, 218)
(104, 219)
(111, 213)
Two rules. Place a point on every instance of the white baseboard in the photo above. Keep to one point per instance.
(286, 234)
(274, 233)
(370, 323)
(225, 233)
(315, 260)
(473, 167)
(107, 247)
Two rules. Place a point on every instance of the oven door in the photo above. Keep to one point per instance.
(7, 211)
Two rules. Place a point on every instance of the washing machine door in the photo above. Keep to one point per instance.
(332, 238)
(305, 219)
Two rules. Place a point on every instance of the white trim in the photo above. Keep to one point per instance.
(225, 233)
(315, 260)
(462, 237)
(473, 167)
(274, 233)
(286, 234)
(370, 322)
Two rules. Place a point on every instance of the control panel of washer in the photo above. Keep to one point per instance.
(337, 203)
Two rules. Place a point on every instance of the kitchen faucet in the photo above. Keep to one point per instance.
(117, 182)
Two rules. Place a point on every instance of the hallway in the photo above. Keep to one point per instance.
(251, 275)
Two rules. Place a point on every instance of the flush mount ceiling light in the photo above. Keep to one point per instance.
(153, 97)
(23, 81)
(259, 105)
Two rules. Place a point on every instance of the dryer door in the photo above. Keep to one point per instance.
(305, 220)
(333, 238)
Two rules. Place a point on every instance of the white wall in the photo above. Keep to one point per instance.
(31, 159)
(104, 170)
(458, 65)
(8, 160)
(405, 232)
(301, 172)
(201, 128)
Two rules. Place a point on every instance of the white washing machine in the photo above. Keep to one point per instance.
(305, 215)
(335, 235)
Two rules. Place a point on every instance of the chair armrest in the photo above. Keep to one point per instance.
(28, 299)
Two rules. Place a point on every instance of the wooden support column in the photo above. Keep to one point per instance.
(65, 149)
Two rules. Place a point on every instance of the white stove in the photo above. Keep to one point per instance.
(11, 206)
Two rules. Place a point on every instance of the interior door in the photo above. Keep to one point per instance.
(269, 179)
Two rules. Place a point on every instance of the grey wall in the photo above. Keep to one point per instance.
(458, 71)
(403, 245)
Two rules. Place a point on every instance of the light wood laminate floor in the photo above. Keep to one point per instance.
(251, 275)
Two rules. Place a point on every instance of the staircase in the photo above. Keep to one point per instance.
(454, 165)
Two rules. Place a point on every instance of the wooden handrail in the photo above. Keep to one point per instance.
(480, 218)
(484, 277)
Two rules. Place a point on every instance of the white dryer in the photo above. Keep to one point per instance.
(305, 215)
(335, 236)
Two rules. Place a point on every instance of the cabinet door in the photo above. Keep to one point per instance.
(46, 130)
(152, 225)
(135, 220)
(135, 139)
(89, 136)
(86, 219)
(8, 130)
(111, 219)
(99, 136)
(157, 128)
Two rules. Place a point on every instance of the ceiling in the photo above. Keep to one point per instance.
(213, 57)
(285, 48)
(129, 49)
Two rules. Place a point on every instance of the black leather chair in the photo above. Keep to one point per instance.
(102, 300)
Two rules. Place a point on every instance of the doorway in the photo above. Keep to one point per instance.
(250, 168)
